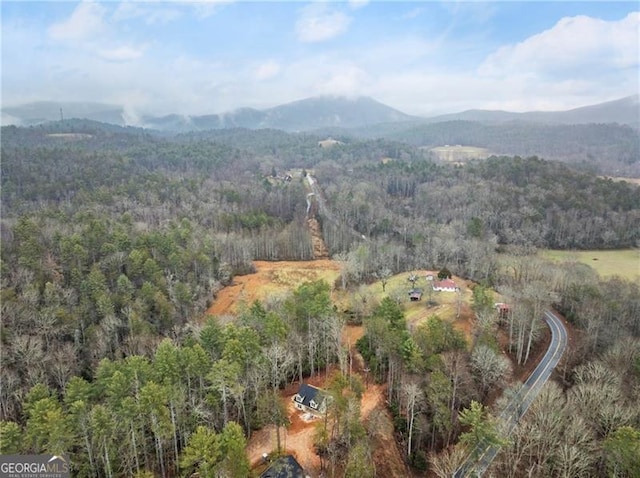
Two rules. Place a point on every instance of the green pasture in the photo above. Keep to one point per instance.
(624, 262)
(459, 153)
(444, 304)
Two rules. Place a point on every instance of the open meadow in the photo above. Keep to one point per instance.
(622, 262)
(271, 279)
(459, 153)
(442, 304)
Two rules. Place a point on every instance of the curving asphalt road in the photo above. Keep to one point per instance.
(479, 460)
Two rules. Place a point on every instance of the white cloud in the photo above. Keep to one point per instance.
(399, 52)
(123, 53)
(162, 12)
(91, 32)
(573, 44)
(348, 80)
(150, 13)
(579, 61)
(266, 70)
(355, 4)
(7, 119)
(318, 23)
(206, 8)
(85, 21)
(427, 93)
(414, 13)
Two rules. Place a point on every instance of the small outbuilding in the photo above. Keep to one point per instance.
(415, 294)
(284, 467)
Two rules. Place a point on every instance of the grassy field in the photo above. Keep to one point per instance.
(273, 279)
(460, 153)
(445, 304)
(624, 263)
(629, 180)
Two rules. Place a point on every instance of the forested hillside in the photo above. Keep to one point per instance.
(604, 148)
(602, 138)
(114, 242)
(508, 200)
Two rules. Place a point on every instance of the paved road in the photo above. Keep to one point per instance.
(481, 457)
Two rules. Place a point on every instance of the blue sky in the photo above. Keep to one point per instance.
(422, 57)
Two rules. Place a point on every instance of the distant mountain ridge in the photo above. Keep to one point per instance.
(623, 111)
(45, 111)
(303, 115)
(313, 114)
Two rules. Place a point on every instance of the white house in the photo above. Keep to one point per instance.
(446, 285)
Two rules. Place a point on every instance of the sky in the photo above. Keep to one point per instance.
(423, 57)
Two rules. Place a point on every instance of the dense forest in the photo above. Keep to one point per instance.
(114, 243)
(604, 148)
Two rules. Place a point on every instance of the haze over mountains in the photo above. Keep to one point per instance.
(312, 114)
(603, 137)
(623, 111)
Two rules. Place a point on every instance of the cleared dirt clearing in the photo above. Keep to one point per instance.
(271, 279)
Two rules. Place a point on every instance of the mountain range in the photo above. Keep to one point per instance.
(315, 113)
(623, 111)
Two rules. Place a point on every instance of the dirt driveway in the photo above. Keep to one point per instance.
(279, 278)
(298, 438)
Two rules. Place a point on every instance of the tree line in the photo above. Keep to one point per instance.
(187, 403)
(585, 423)
(599, 148)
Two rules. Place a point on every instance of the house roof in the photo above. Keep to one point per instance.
(309, 396)
(444, 284)
(284, 467)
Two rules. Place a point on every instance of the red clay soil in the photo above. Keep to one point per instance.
(261, 284)
(298, 438)
(466, 322)
(320, 250)
(387, 457)
(350, 335)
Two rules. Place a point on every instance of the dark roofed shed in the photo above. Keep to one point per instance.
(284, 467)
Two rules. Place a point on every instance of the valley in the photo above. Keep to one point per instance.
(195, 281)
(345, 239)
